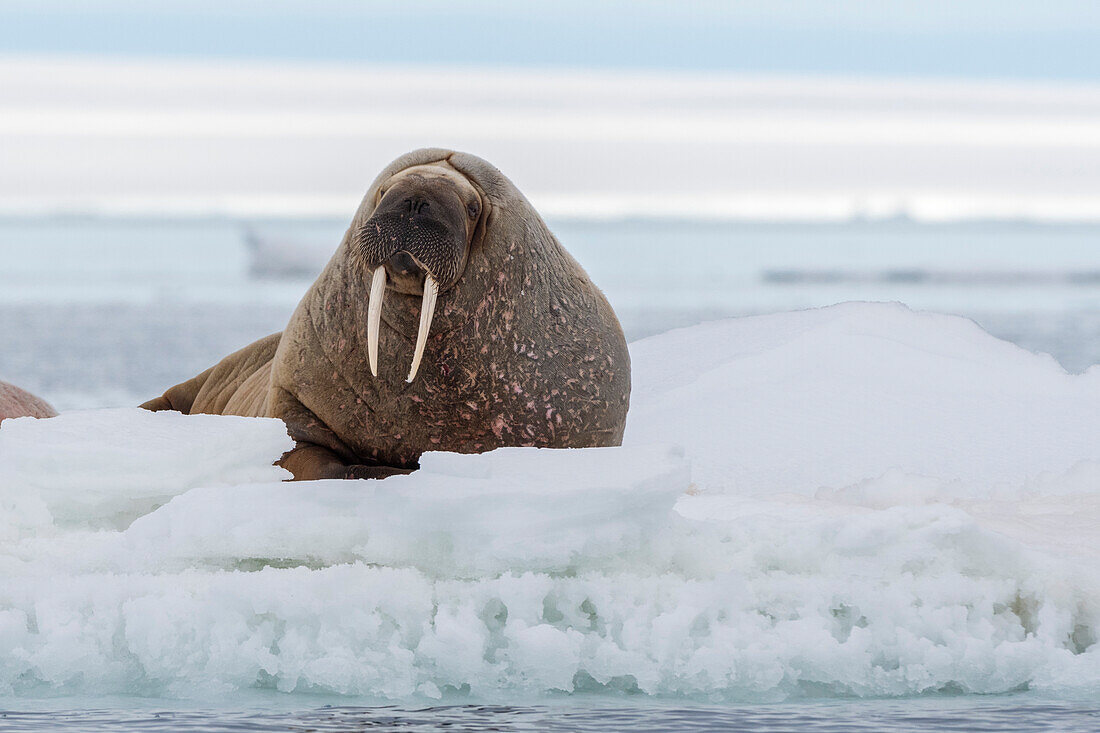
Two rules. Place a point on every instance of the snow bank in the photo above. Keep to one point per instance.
(864, 500)
(834, 396)
(101, 466)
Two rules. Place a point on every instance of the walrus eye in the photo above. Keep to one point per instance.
(473, 209)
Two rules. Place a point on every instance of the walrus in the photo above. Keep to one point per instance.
(449, 319)
(15, 402)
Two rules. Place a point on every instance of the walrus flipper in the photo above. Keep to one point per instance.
(318, 452)
(211, 392)
(309, 462)
(181, 397)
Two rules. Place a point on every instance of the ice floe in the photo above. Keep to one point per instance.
(856, 500)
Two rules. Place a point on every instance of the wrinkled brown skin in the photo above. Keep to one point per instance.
(524, 350)
(15, 402)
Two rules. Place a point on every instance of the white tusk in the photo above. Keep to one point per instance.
(374, 316)
(427, 310)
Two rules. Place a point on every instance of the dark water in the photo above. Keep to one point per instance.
(894, 716)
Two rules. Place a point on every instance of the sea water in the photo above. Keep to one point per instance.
(107, 312)
(941, 713)
(151, 595)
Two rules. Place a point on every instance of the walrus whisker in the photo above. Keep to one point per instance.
(374, 316)
(427, 310)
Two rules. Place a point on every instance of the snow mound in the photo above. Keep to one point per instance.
(833, 396)
(858, 500)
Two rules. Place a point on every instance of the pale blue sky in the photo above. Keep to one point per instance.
(1056, 39)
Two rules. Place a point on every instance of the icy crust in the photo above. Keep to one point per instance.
(950, 541)
(459, 516)
(109, 466)
(880, 602)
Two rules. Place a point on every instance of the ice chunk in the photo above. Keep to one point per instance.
(102, 466)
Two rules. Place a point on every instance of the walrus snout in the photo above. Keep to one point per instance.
(430, 214)
(410, 245)
(405, 272)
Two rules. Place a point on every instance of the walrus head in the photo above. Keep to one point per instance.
(417, 242)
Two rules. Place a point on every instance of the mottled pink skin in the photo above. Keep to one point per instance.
(15, 402)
